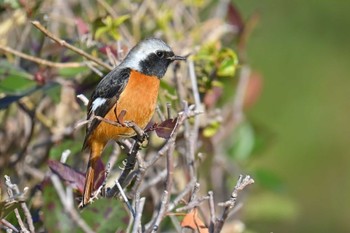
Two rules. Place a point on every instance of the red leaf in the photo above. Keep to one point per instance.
(212, 96)
(100, 176)
(65, 172)
(165, 128)
(41, 76)
(82, 27)
(234, 17)
(112, 49)
(253, 90)
(75, 178)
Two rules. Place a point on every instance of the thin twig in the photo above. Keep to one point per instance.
(194, 192)
(192, 135)
(193, 204)
(63, 43)
(41, 61)
(138, 209)
(131, 158)
(241, 184)
(130, 163)
(125, 199)
(212, 211)
(155, 180)
(83, 99)
(14, 188)
(8, 225)
(187, 190)
(160, 113)
(162, 211)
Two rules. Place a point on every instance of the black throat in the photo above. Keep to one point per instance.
(154, 65)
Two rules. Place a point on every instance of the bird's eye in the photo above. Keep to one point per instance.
(160, 54)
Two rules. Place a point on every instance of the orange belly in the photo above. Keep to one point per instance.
(138, 99)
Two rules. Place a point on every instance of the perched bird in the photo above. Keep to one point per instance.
(131, 87)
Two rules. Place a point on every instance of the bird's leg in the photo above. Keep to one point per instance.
(120, 116)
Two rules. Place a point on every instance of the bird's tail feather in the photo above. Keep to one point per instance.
(96, 151)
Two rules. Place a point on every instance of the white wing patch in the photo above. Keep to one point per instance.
(97, 103)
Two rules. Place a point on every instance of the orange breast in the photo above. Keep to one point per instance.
(138, 99)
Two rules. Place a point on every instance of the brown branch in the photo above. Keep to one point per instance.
(63, 43)
(41, 61)
(8, 225)
(11, 189)
(162, 211)
(193, 204)
(212, 211)
(189, 187)
(241, 184)
(140, 202)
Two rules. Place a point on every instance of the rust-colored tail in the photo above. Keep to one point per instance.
(95, 154)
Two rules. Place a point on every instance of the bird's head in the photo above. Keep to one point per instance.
(151, 57)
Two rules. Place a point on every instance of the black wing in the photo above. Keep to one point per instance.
(109, 88)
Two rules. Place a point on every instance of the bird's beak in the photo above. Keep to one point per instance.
(175, 57)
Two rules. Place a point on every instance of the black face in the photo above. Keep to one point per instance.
(156, 63)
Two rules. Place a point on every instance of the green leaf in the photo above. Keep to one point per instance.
(13, 3)
(118, 21)
(13, 80)
(211, 129)
(55, 93)
(268, 179)
(100, 31)
(244, 141)
(228, 63)
(110, 27)
(72, 72)
(270, 207)
(56, 152)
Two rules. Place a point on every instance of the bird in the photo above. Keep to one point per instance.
(130, 89)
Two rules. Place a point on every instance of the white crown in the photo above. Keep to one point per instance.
(142, 50)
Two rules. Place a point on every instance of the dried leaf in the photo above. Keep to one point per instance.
(165, 128)
(192, 220)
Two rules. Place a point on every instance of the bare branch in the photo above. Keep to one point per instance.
(8, 226)
(125, 199)
(212, 211)
(83, 99)
(12, 189)
(241, 184)
(138, 209)
(63, 43)
(162, 210)
(41, 61)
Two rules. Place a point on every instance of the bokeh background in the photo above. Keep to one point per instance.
(302, 49)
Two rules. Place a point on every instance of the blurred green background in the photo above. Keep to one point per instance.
(302, 49)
